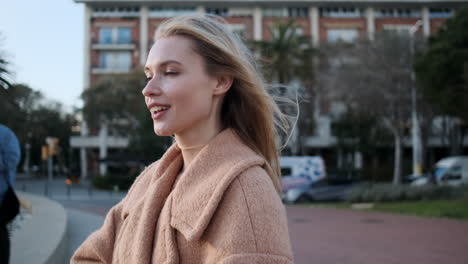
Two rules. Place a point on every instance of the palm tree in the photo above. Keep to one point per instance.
(288, 58)
(4, 83)
(288, 55)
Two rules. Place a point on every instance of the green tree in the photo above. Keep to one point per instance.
(114, 100)
(288, 63)
(442, 67)
(117, 101)
(359, 131)
(34, 118)
(375, 77)
(4, 72)
(441, 72)
(288, 55)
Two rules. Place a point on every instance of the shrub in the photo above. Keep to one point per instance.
(387, 192)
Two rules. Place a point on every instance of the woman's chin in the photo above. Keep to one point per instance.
(162, 132)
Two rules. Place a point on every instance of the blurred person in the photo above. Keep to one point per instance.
(213, 197)
(10, 155)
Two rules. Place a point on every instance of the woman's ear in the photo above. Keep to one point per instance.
(223, 85)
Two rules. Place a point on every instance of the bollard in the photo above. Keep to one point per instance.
(46, 188)
(68, 182)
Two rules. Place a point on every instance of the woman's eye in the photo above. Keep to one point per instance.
(171, 73)
(148, 78)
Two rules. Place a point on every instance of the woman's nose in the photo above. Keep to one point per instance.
(151, 88)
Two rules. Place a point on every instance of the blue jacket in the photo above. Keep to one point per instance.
(10, 155)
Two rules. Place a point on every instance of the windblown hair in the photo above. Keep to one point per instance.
(247, 107)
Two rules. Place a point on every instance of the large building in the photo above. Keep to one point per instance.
(119, 33)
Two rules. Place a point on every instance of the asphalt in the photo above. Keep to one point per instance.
(80, 226)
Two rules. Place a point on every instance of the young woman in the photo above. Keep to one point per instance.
(214, 195)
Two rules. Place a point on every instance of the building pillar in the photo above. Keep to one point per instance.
(314, 25)
(83, 156)
(370, 16)
(103, 149)
(258, 25)
(84, 163)
(143, 34)
(200, 10)
(87, 47)
(426, 22)
(358, 160)
(86, 83)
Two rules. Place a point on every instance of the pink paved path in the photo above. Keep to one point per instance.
(340, 236)
(335, 236)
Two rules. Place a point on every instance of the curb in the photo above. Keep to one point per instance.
(40, 237)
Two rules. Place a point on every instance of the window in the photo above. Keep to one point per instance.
(217, 11)
(341, 12)
(298, 12)
(105, 35)
(124, 35)
(115, 60)
(115, 35)
(170, 12)
(344, 35)
(121, 11)
(440, 12)
(398, 13)
(275, 12)
(240, 11)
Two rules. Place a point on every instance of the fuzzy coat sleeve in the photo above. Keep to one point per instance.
(99, 246)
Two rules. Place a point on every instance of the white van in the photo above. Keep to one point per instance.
(301, 170)
(452, 170)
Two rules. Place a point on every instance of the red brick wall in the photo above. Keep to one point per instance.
(94, 38)
(152, 26)
(436, 23)
(247, 21)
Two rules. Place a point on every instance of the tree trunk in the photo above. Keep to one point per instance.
(397, 166)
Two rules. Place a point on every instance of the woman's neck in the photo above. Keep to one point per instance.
(190, 145)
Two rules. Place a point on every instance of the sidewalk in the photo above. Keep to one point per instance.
(335, 236)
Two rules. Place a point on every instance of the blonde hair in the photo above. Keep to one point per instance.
(247, 106)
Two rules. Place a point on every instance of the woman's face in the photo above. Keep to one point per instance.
(179, 93)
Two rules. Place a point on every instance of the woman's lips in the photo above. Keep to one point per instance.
(158, 114)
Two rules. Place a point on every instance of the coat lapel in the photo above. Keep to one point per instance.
(144, 215)
(201, 187)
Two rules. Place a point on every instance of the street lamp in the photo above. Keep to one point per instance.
(415, 130)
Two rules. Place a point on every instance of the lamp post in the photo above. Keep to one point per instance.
(415, 130)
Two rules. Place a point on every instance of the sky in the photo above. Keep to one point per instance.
(43, 41)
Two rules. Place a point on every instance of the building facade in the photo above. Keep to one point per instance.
(119, 33)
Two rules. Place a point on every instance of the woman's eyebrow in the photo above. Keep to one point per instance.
(162, 64)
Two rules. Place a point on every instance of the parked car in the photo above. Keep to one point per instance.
(452, 170)
(320, 190)
(301, 171)
(416, 179)
(447, 171)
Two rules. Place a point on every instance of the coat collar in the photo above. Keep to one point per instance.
(200, 188)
